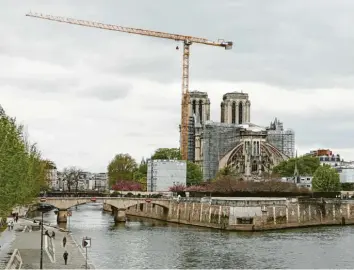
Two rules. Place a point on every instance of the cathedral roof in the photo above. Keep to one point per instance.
(196, 93)
(235, 95)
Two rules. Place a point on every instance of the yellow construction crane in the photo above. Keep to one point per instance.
(187, 41)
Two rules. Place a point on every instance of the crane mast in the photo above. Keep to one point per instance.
(187, 41)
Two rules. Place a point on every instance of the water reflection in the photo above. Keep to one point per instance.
(156, 244)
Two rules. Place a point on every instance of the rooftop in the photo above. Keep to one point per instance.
(252, 127)
(235, 94)
(198, 93)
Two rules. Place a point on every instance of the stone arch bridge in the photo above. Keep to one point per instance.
(118, 205)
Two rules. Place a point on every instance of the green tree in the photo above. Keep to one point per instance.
(140, 175)
(22, 171)
(347, 186)
(194, 174)
(167, 153)
(307, 165)
(326, 179)
(227, 171)
(122, 167)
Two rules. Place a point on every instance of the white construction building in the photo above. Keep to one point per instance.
(163, 174)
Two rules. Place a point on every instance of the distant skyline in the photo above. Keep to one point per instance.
(87, 94)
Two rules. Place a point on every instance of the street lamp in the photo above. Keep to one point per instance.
(43, 208)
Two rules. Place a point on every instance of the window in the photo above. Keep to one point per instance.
(222, 113)
(254, 166)
(240, 113)
(194, 106)
(233, 113)
(201, 110)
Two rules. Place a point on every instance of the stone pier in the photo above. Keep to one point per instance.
(119, 215)
(62, 216)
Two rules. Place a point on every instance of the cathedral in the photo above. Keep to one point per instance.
(248, 149)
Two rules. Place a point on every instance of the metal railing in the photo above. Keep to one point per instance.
(15, 261)
(50, 248)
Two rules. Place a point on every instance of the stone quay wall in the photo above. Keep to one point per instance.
(251, 214)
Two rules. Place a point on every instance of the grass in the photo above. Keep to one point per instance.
(3, 228)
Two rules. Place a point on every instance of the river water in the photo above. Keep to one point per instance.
(153, 244)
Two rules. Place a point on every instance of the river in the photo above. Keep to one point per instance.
(154, 244)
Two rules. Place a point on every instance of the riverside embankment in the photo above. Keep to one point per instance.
(26, 240)
(250, 214)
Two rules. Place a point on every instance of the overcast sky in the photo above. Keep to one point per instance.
(87, 94)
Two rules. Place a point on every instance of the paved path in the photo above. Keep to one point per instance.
(28, 243)
(6, 238)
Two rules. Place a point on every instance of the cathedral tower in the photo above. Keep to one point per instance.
(235, 108)
(199, 105)
(199, 112)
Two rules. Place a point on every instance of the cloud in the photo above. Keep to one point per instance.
(108, 92)
(87, 94)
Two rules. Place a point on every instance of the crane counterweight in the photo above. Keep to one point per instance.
(187, 42)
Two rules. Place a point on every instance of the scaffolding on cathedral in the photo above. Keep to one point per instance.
(218, 140)
(191, 139)
(283, 140)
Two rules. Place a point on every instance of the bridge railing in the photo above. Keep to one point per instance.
(103, 198)
(15, 261)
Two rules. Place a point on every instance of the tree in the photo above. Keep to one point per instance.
(227, 171)
(140, 175)
(307, 165)
(71, 176)
(177, 188)
(194, 174)
(22, 171)
(167, 153)
(122, 167)
(347, 186)
(326, 179)
(127, 186)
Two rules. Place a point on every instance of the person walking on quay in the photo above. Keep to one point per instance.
(53, 235)
(65, 256)
(64, 241)
(10, 225)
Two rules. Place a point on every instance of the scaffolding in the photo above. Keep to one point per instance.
(283, 140)
(218, 140)
(191, 139)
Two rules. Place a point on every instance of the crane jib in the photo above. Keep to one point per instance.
(177, 37)
(187, 40)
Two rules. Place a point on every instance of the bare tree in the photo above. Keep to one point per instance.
(71, 176)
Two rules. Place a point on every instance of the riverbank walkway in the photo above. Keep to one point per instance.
(29, 243)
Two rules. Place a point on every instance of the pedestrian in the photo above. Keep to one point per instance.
(64, 241)
(65, 256)
(47, 233)
(53, 235)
